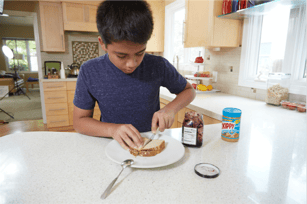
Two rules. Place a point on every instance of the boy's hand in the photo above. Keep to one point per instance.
(163, 119)
(127, 136)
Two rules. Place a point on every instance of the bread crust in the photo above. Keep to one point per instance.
(149, 152)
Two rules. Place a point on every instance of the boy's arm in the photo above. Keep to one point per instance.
(164, 118)
(125, 134)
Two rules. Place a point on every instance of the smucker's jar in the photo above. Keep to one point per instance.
(192, 129)
(231, 124)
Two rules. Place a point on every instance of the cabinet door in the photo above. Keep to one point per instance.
(204, 29)
(156, 42)
(79, 17)
(51, 27)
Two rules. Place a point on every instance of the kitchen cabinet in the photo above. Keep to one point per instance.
(79, 17)
(50, 24)
(203, 28)
(156, 42)
(59, 105)
(56, 104)
(180, 115)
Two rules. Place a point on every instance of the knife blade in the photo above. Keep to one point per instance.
(150, 139)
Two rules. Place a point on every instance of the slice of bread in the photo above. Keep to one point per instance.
(151, 149)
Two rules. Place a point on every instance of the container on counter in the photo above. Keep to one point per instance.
(277, 88)
(231, 121)
(301, 107)
(192, 129)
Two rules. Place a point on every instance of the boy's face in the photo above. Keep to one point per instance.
(125, 55)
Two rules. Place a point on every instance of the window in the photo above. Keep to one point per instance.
(27, 47)
(275, 42)
(174, 35)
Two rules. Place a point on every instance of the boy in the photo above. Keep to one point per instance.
(125, 82)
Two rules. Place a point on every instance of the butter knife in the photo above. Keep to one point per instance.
(151, 138)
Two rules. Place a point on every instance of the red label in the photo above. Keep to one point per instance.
(228, 126)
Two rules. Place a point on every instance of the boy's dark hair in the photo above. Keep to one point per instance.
(124, 20)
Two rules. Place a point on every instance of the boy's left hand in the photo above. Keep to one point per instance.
(164, 119)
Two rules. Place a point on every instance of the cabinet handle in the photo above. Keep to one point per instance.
(48, 87)
(58, 121)
(55, 97)
(62, 41)
(57, 109)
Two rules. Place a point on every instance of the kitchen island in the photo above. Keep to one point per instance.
(267, 165)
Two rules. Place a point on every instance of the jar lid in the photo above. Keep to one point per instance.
(232, 112)
(206, 170)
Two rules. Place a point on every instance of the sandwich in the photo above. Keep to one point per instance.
(151, 149)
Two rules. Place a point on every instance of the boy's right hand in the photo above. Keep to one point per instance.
(127, 136)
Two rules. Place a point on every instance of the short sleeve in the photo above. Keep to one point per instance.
(83, 98)
(172, 79)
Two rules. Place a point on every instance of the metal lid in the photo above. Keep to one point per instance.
(206, 170)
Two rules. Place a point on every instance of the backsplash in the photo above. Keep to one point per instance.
(227, 81)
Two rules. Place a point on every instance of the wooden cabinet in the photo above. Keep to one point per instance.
(50, 24)
(56, 104)
(79, 17)
(156, 42)
(204, 29)
(59, 97)
(180, 116)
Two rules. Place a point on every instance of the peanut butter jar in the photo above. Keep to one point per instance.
(231, 124)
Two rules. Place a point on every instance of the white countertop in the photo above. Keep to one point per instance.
(267, 165)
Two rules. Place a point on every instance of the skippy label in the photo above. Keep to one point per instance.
(231, 123)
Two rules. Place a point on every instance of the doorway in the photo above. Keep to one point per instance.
(22, 28)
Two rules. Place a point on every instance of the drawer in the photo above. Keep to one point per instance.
(54, 86)
(70, 96)
(55, 97)
(71, 85)
(56, 109)
(57, 121)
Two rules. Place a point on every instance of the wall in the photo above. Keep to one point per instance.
(67, 57)
(227, 81)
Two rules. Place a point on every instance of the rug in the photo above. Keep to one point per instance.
(21, 108)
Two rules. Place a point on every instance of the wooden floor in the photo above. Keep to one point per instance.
(28, 126)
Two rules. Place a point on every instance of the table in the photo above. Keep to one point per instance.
(61, 167)
(30, 83)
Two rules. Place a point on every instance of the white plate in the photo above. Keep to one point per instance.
(172, 153)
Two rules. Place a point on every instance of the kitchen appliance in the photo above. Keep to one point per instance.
(74, 69)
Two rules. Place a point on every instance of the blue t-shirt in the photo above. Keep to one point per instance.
(126, 98)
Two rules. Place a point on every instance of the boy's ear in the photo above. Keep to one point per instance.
(103, 46)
